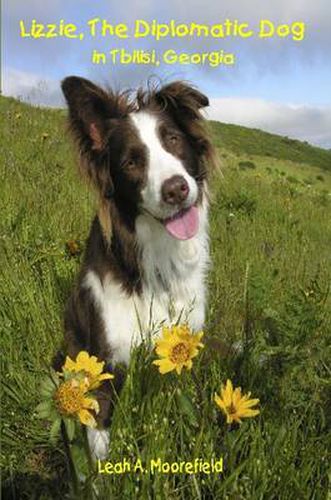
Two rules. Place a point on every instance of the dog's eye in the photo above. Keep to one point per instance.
(129, 163)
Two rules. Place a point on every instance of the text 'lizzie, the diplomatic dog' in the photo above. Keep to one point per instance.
(141, 28)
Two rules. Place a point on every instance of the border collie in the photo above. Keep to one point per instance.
(147, 252)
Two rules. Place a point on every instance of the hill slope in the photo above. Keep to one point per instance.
(243, 140)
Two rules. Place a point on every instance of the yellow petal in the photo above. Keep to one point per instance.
(165, 365)
(189, 364)
(106, 376)
(229, 418)
(229, 385)
(219, 401)
(167, 334)
(249, 413)
(245, 397)
(69, 364)
(94, 383)
(82, 357)
(236, 398)
(91, 404)
(87, 418)
(94, 360)
(194, 353)
(226, 393)
(163, 349)
(249, 403)
(98, 367)
(179, 369)
(200, 335)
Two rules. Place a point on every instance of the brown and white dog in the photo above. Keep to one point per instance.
(147, 253)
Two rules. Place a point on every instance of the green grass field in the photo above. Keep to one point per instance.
(268, 286)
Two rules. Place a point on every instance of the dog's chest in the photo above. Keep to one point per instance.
(173, 288)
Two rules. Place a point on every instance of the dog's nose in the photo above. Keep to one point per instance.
(175, 190)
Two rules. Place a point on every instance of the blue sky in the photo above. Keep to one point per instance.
(277, 84)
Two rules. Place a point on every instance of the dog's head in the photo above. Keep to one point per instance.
(149, 154)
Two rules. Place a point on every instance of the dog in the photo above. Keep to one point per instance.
(147, 253)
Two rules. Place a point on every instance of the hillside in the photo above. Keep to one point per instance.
(243, 140)
(269, 290)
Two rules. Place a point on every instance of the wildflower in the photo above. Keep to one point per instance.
(73, 248)
(66, 401)
(71, 401)
(235, 405)
(44, 136)
(177, 347)
(88, 366)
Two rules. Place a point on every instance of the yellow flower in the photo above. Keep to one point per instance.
(235, 405)
(71, 401)
(90, 366)
(177, 347)
(73, 247)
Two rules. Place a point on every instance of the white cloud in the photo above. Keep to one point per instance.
(31, 87)
(307, 123)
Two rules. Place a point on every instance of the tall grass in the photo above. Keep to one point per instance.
(268, 327)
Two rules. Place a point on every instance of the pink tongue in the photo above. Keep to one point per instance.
(183, 225)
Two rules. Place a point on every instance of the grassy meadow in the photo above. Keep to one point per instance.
(269, 291)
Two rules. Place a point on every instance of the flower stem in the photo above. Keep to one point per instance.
(198, 387)
(87, 449)
(89, 463)
(71, 465)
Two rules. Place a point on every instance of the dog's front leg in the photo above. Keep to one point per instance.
(84, 332)
(107, 395)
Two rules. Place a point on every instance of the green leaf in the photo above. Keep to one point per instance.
(44, 409)
(47, 388)
(55, 430)
(70, 428)
(80, 461)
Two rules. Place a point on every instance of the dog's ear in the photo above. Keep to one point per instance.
(89, 109)
(184, 103)
(92, 116)
(182, 99)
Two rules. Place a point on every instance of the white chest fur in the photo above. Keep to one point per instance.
(174, 273)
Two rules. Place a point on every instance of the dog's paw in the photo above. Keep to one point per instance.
(99, 443)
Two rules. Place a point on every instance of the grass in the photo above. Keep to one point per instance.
(268, 287)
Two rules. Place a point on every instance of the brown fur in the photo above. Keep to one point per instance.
(105, 220)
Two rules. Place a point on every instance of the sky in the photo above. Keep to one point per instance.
(278, 84)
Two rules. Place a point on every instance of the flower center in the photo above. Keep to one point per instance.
(69, 398)
(231, 409)
(180, 353)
